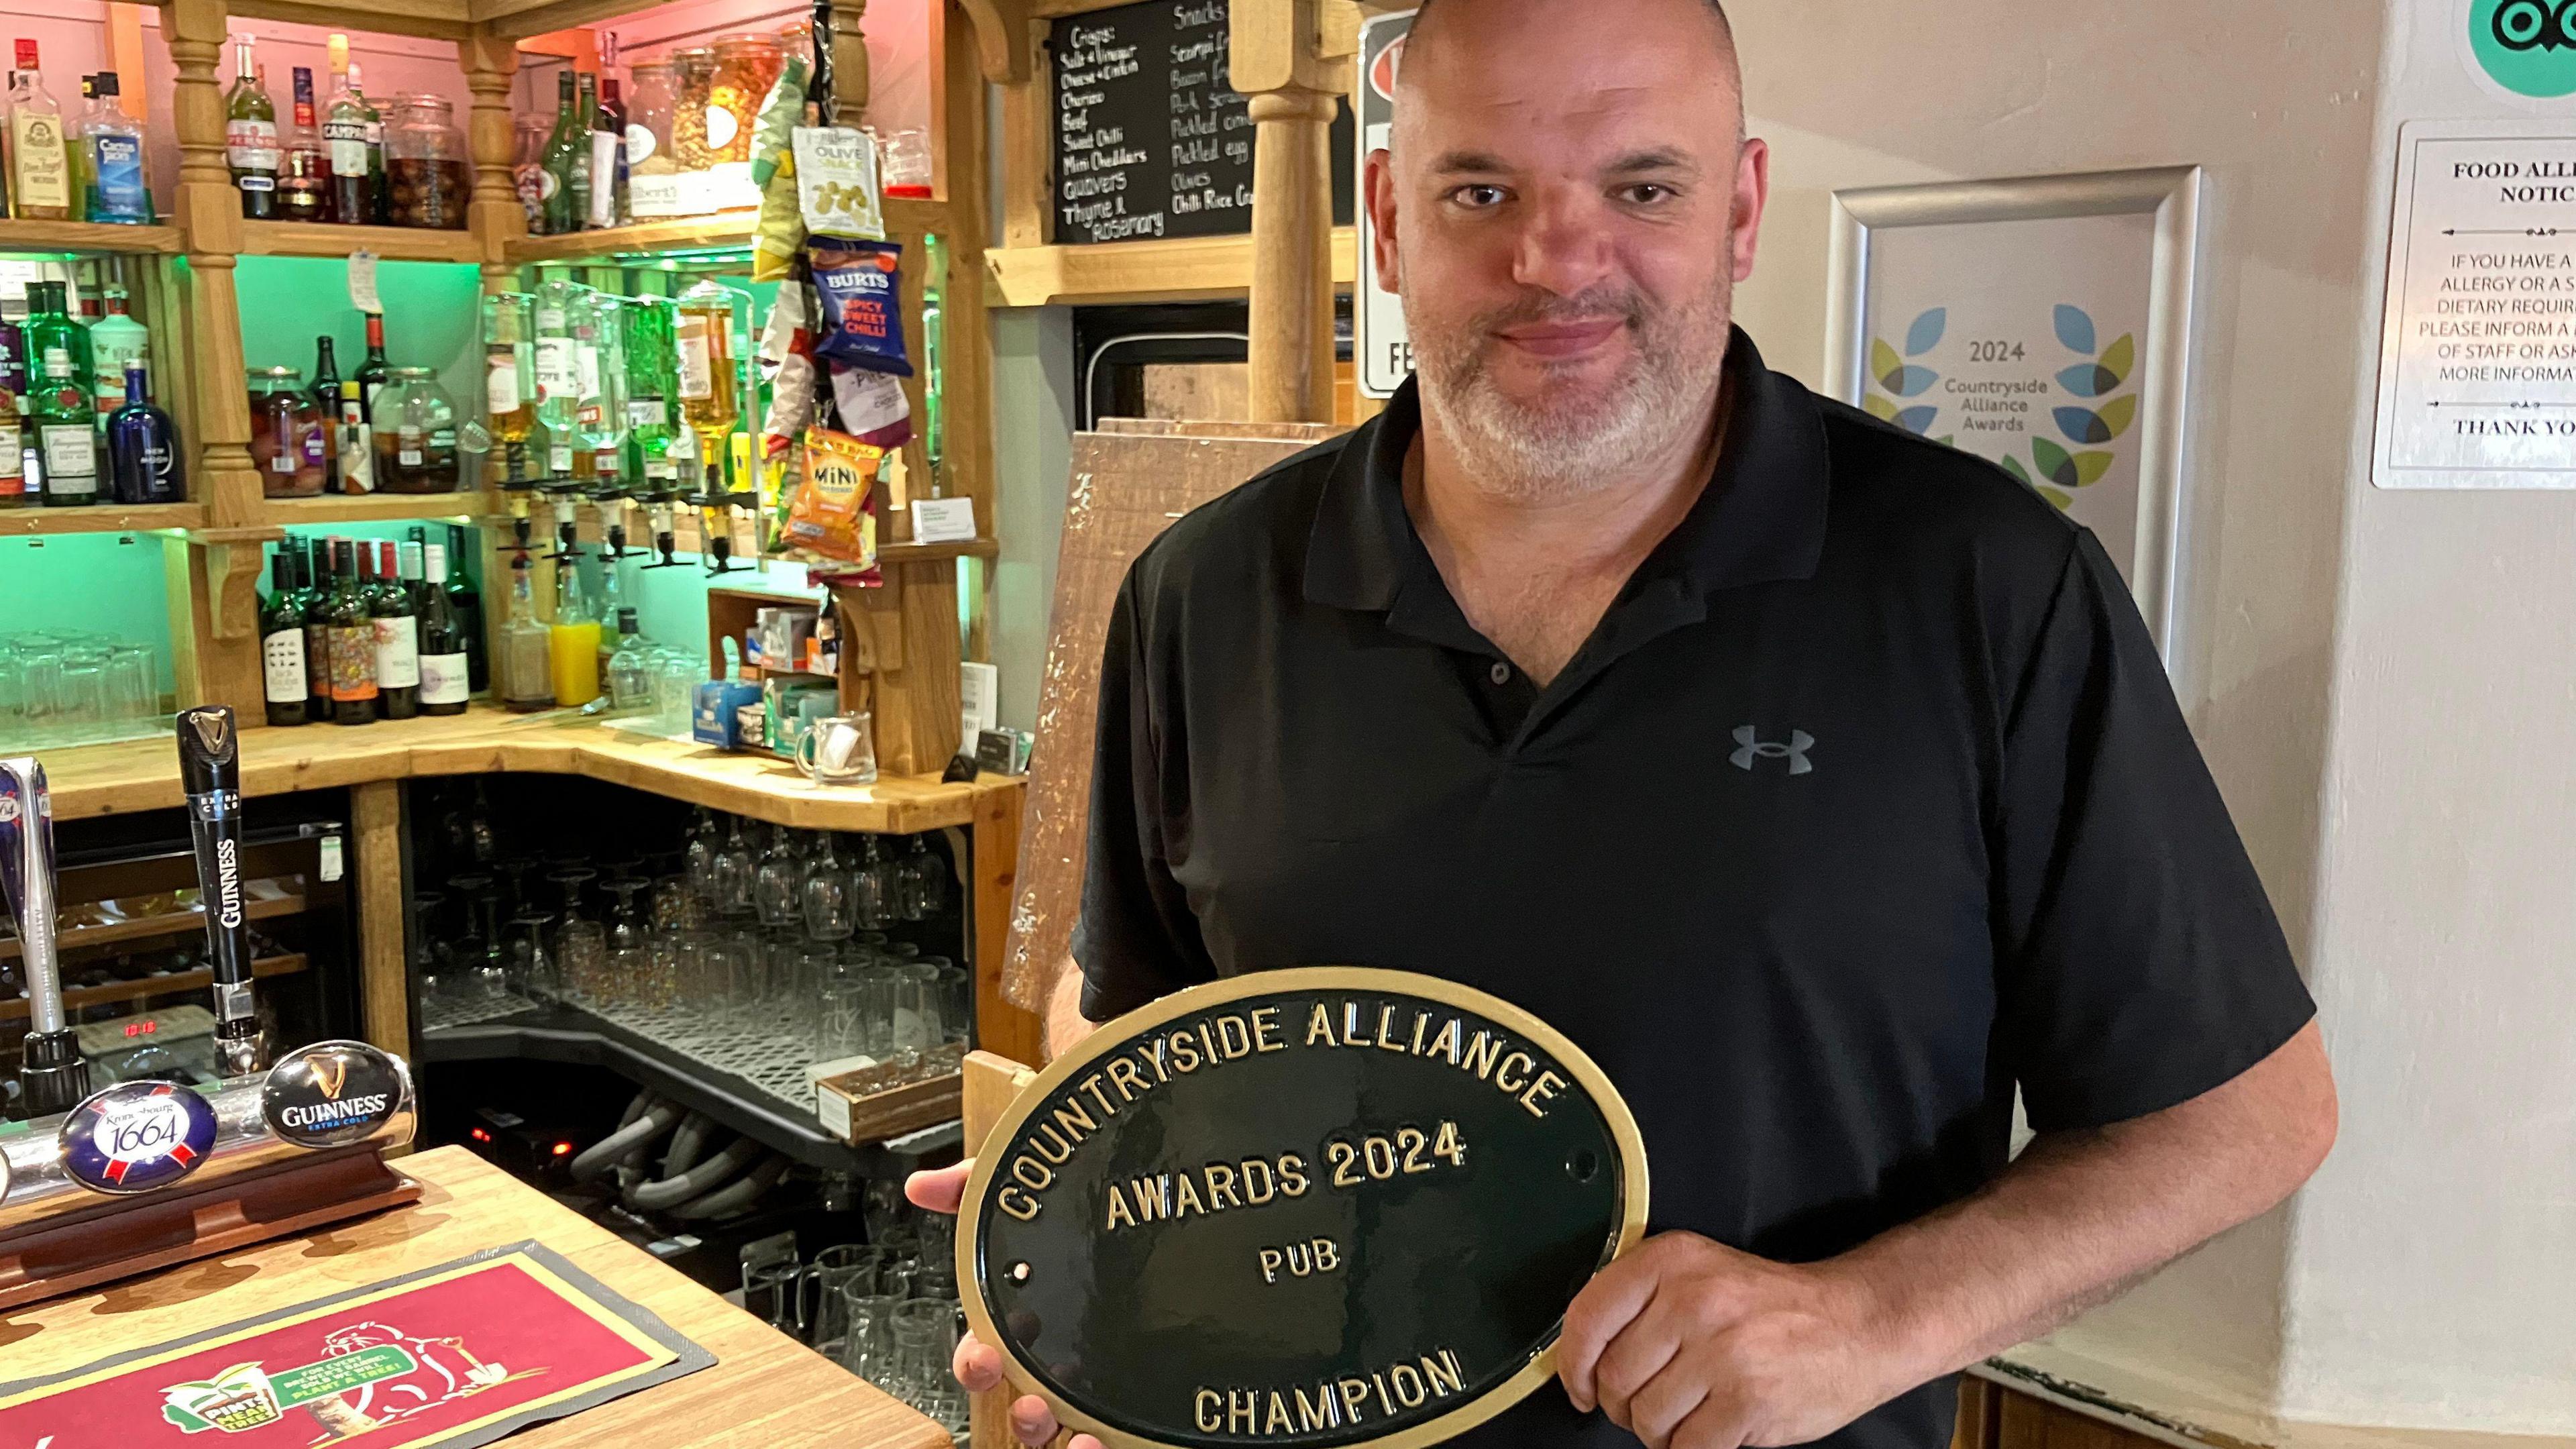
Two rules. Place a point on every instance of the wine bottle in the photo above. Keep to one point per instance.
(446, 667)
(373, 373)
(397, 640)
(467, 601)
(281, 645)
(353, 640)
(314, 572)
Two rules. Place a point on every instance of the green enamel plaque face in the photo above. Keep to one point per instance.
(1326, 1206)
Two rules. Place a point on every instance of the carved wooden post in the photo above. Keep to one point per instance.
(217, 660)
(491, 61)
(1274, 61)
(210, 213)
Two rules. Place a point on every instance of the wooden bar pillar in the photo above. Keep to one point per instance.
(494, 215)
(220, 564)
(384, 980)
(992, 1082)
(1275, 62)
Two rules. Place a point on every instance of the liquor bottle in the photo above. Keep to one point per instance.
(707, 380)
(467, 601)
(577, 172)
(250, 137)
(611, 600)
(281, 645)
(558, 375)
(13, 438)
(303, 175)
(40, 165)
(524, 673)
(572, 640)
(115, 339)
(649, 386)
(528, 178)
(373, 373)
(62, 406)
(509, 379)
(317, 580)
(380, 186)
(446, 666)
(352, 630)
(599, 380)
(630, 668)
(111, 151)
(143, 448)
(76, 146)
(326, 396)
(567, 144)
(607, 159)
(357, 455)
(397, 635)
(344, 138)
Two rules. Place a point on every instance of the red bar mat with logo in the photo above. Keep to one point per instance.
(452, 1356)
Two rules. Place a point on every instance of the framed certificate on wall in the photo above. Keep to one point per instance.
(2042, 323)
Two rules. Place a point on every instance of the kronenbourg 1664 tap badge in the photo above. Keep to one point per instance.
(137, 1136)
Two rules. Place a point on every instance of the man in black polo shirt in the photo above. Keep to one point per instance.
(1821, 783)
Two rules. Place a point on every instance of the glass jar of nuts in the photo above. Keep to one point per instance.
(426, 165)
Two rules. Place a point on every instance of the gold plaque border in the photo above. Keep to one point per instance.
(1116, 1034)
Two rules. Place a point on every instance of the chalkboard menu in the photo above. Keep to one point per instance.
(1150, 139)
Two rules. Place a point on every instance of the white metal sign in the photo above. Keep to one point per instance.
(2477, 365)
(1378, 337)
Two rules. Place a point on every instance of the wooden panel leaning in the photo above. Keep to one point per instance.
(1127, 488)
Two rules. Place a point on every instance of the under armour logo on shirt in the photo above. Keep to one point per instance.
(1751, 747)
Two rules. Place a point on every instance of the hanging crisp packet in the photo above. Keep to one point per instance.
(833, 513)
(836, 181)
(787, 365)
(872, 405)
(862, 290)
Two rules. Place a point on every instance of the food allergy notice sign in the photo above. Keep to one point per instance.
(2477, 370)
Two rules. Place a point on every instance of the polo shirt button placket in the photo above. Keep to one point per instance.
(1501, 673)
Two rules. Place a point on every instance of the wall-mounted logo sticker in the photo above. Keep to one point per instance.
(2526, 47)
(2100, 371)
(1895, 380)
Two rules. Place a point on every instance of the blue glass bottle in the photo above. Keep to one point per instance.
(143, 449)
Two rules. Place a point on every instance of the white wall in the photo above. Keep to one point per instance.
(2435, 1253)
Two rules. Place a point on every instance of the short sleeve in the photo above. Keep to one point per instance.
(1136, 938)
(2139, 962)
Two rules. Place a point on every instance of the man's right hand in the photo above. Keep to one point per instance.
(978, 1365)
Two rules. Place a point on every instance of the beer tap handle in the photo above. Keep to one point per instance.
(52, 1074)
(210, 777)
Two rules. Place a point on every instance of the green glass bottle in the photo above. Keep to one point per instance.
(650, 388)
(60, 409)
(569, 142)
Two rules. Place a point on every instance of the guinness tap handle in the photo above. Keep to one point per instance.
(210, 774)
(51, 1071)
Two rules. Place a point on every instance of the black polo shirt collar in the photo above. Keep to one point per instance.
(1761, 519)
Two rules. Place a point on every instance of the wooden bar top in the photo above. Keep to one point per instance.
(765, 1391)
(118, 779)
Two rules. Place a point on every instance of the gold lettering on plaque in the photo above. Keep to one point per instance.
(1481, 1054)
(1319, 1026)
(1124, 1076)
(1547, 1086)
(1265, 1030)
(1503, 1075)
(1208, 1402)
(1233, 1038)
(1446, 1043)
(1277, 1422)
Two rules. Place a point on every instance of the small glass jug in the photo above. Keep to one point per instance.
(838, 750)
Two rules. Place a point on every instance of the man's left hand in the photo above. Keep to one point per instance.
(1689, 1344)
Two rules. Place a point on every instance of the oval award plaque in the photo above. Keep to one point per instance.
(1323, 1206)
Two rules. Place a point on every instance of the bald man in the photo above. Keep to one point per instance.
(1820, 782)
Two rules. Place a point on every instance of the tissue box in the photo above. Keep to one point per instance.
(713, 720)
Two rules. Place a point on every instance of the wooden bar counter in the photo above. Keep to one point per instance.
(371, 762)
(765, 1389)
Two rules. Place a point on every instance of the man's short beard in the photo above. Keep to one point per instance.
(1562, 446)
